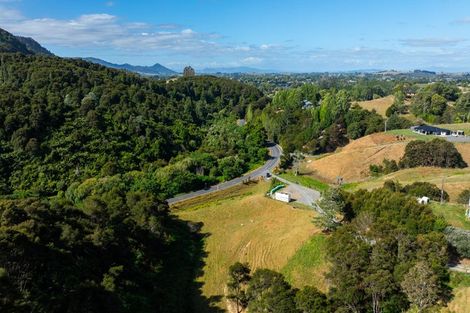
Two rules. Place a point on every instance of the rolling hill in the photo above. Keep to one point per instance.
(352, 161)
(156, 69)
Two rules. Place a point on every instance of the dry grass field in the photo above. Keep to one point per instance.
(352, 161)
(455, 181)
(248, 227)
(460, 302)
(380, 105)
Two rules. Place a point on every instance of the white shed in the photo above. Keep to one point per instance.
(423, 200)
(282, 196)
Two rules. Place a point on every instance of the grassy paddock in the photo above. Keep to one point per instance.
(454, 214)
(460, 302)
(308, 266)
(244, 225)
(306, 181)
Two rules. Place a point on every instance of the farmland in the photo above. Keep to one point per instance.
(246, 226)
(380, 105)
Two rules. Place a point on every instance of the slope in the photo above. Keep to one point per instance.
(352, 161)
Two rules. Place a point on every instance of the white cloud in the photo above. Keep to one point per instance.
(430, 42)
(252, 60)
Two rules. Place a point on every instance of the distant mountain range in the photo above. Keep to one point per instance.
(156, 69)
(11, 43)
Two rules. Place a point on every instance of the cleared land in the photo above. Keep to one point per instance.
(456, 180)
(453, 213)
(352, 161)
(308, 266)
(380, 105)
(246, 226)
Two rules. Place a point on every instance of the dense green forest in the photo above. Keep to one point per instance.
(314, 119)
(87, 157)
(64, 121)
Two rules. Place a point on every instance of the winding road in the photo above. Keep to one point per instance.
(275, 152)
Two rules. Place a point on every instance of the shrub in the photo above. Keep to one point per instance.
(464, 196)
(420, 189)
(437, 152)
(459, 239)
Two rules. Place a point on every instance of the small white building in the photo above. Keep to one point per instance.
(282, 196)
(423, 200)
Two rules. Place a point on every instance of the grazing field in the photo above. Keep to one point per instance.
(454, 214)
(246, 226)
(308, 266)
(456, 180)
(460, 302)
(461, 126)
(305, 181)
(352, 161)
(380, 105)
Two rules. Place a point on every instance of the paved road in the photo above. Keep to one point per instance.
(459, 268)
(275, 155)
(300, 193)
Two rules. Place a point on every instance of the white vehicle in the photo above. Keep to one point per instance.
(282, 196)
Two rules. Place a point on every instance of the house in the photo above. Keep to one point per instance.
(241, 122)
(431, 130)
(423, 200)
(282, 196)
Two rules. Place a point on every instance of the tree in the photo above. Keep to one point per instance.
(421, 286)
(464, 197)
(311, 300)
(268, 292)
(330, 206)
(239, 276)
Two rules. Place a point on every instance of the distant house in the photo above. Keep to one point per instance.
(241, 122)
(436, 131)
(423, 200)
(306, 104)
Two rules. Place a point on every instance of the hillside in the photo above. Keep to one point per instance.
(380, 105)
(352, 161)
(11, 44)
(156, 69)
(244, 225)
(66, 120)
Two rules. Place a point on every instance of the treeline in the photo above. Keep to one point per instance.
(387, 254)
(66, 120)
(316, 120)
(437, 152)
(441, 103)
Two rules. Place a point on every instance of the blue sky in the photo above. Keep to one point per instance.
(295, 35)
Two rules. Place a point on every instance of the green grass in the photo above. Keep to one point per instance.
(454, 214)
(309, 264)
(306, 181)
(459, 280)
(458, 126)
(349, 186)
(410, 133)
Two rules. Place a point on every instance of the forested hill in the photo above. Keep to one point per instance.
(87, 155)
(11, 43)
(67, 120)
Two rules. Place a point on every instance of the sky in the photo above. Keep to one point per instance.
(291, 36)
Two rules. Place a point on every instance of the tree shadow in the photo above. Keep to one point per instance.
(184, 267)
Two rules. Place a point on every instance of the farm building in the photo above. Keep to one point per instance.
(423, 200)
(282, 196)
(436, 131)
